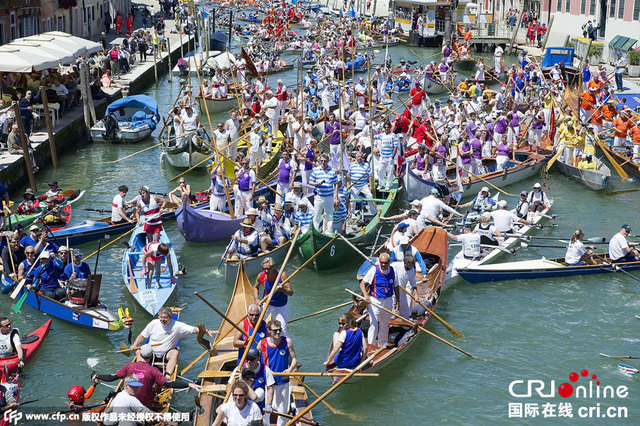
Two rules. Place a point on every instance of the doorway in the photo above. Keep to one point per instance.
(603, 17)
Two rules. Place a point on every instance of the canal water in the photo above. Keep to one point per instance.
(519, 330)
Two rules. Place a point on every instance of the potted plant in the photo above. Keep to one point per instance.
(594, 55)
(633, 58)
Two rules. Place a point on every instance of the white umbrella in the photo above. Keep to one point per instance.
(90, 46)
(46, 41)
(33, 48)
(15, 60)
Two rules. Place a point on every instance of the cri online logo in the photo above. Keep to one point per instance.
(589, 390)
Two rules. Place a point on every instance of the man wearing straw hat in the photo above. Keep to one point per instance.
(245, 241)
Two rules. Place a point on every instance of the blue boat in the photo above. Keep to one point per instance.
(539, 268)
(154, 298)
(129, 119)
(94, 315)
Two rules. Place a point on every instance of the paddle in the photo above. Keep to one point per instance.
(289, 416)
(226, 318)
(379, 306)
(447, 325)
(16, 291)
(322, 311)
(117, 239)
(124, 349)
(613, 162)
(554, 158)
(215, 374)
(597, 240)
(334, 387)
(622, 191)
(133, 287)
(20, 302)
(620, 356)
(502, 249)
(615, 267)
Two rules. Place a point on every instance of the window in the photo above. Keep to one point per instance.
(2, 40)
(612, 9)
(567, 6)
(583, 7)
(12, 21)
(620, 9)
(636, 10)
(559, 6)
(592, 8)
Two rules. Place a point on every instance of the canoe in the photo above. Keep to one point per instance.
(30, 345)
(253, 265)
(417, 186)
(540, 268)
(154, 298)
(191, 153)
(214, 106)
(592, 179)
(432, 245)
(95, 317)
(623, 156)
(313, 240)
(162, 400)
(225, 359)
(490, 255)
(26, 219)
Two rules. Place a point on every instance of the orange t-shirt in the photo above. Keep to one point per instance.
(635, 134)
(467, 36)
(596, 117)
(622, 127)
(596, 84)
(608, 112)
(588, 101)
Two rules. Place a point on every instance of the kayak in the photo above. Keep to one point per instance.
(30, 345)
(26, 219)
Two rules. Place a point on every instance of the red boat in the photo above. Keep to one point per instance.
(30, 345)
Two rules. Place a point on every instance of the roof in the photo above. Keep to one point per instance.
(136, 101)
(622, 43)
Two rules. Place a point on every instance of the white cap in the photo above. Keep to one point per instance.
(63, 248)
(537, 185)
(502, 204)
(34, 228)
(403, 240)
(415, 203)
(485, 189)
(146, 350)
(45, 255)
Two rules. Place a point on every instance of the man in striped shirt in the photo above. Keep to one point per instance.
(325, 179)
(360, 179)
(303, 217)
(341, 213)
(387, 142)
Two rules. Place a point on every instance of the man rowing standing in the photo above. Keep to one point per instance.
(167, 332)
(621, 250)
(148, 213)
(278, 307)
(278, 354)
(152, 259)
(470, 243)
(432, 206)
(378, 286)
(249, 324)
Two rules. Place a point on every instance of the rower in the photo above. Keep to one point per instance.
(53, 191)
(387, 143)
(246, 178)
(326, 182)
(286, 175)
(249, 325)
(522, 209)
(588, 163)
(78, 395)
(537, 199)
(48, 275)
(11, 268)
(360, 180)
(52, 214)
(379, 284)
(481, 202)
(76, 269)
(257, 376)
(470, 243)
(348, 346)
(621, 250)
(217, 198)
(10, 343)
(577, 253)
(405, 273)
(185, 193)
(149, 376)
(152, 259)
(303, 216)
(403, 248)
(504, 219)
(118, 206)
(29, 203)
(279, 306)
(432, 206)
(148, 210)
(278, 354)
(240, 410)
(488, 233)
(167, 332)
(125, 402)
(245, 242)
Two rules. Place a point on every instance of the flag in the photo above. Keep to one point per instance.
(552, 127)
(459, 170)
(250, 65)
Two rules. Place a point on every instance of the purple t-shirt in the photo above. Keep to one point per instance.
(503, 149)
(501, 126)
(334, 139)
(476, 147)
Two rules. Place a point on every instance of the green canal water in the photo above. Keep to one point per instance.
(519, 330)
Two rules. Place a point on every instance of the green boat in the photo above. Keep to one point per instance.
(339, 251)
(26, 219)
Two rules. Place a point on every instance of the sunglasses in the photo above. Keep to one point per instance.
(276, 330)
(6, 325)
(253, 315)
(384, 263)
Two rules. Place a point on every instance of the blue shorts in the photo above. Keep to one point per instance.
(580, 262)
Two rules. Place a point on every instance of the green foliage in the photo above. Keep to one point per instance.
(633, 57)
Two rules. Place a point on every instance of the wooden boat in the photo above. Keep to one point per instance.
(540, 268)
(26, 219)
(215, 106)
(30, 345)
(253, 265)
(276, 70)
(432, 86)
(466, 64)
(339, 251)
(191, 152)
(194, 62)
(127, 120)
(91, 314)
(225, 358)
(162, 399)
(514, 172)
(592, 179)
(432, 245)
(154, 298)
(623, 156)
(490, 255)
(204, 226)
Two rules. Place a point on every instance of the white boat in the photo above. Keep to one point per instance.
(432, 86)
(253, 265)
(592, 179)
(194, 61)
(490, 255)
(127, 120)
(215, 106)
(187, 154)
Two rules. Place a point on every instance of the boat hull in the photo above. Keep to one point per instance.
(30, 349)
(214, 106)
(253, 265)
(122, 135)
(185, 159)
(592, 179)
(204, 226)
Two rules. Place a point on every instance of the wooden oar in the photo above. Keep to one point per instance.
(124, 349)
(117, 239)
(620, 356)
(411, 323)
(613, 162)
(133, 287)
(214, 374)
(67, 193)
(443, 322)
(334, 387)
(615, 267)
(16, 291)
(322, 311)
(301, 419)
(226, 318)
(131, 155)
(621, 191)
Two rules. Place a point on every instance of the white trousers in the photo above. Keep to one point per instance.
(439, 172)
(217, 204)
(501, 161)
(379, 327)
(281, 401)
(321, 204)
(334, 157)
(282, 189)
(476, 166)
(363, 192)
(386, 172)
(404, 303)
(242, 202)
(618, 141)
(280, 313)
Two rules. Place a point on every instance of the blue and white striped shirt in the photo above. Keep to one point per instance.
(340, 214)
(386, 144)
(329, 177)
(359, 174)
(302, 219)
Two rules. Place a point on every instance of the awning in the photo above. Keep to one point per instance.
(90, 46)
(622, 43)
(33, 48)
(13, 59)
